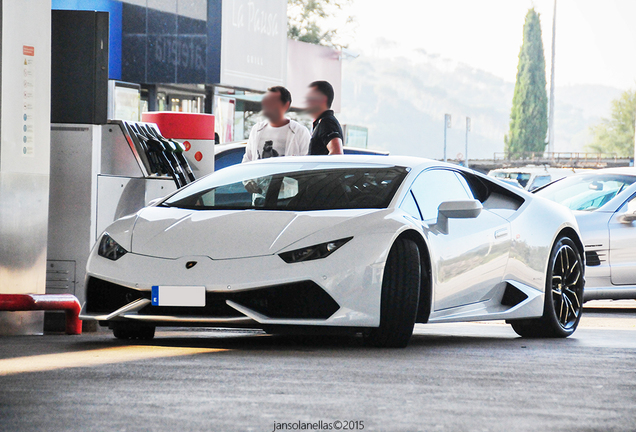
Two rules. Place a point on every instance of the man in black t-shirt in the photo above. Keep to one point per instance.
(327, 137)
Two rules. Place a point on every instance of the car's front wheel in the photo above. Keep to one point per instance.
(399, 298)
(132, 330)
(563, 296)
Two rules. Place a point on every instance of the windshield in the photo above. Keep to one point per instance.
(586, 192)
(291, 187)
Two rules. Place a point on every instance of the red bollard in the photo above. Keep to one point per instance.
(33, 302)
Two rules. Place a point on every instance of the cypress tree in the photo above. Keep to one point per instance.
(529, 115)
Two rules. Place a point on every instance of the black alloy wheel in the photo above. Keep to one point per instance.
(567, 289)
(563, 301)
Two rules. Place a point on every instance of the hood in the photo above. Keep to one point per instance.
(226, 234)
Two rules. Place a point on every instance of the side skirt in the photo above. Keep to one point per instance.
(496, 308)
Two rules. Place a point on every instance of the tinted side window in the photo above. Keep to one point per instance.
(410, 207)
(434, 187)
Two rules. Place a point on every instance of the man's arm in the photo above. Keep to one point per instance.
(247, 157)
(335, 147)
(250, 147)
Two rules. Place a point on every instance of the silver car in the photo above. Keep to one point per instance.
(604, 203)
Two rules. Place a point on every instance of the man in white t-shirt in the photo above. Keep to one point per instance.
(277, 136)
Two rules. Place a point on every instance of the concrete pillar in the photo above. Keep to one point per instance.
(25, 131)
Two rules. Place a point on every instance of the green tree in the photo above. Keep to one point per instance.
(529, 115)
(306, 20)
(616, 134)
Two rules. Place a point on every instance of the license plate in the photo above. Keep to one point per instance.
(192, 296)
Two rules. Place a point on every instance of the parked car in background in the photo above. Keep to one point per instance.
(532, 177)
(604, 204)
(232, 153)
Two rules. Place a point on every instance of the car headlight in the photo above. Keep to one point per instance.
(109, 248)
(318, 251)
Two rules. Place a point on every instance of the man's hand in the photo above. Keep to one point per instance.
(252, 187)
(335, 147)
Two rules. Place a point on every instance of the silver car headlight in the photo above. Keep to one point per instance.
(109, 248)
(314, 252)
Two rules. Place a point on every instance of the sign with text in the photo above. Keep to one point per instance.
(161, 46)
(28, 100)
(176, 58)
(253, 43)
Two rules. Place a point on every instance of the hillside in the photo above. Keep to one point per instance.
(403, 101)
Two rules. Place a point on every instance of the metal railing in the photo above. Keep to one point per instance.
(46, 302)
(556, 157)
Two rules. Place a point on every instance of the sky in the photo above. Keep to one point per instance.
(595, 39)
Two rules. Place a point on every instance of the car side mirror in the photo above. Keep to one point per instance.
(627, 218)
(465, 209)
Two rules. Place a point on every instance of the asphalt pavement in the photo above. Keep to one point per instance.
(452, 377)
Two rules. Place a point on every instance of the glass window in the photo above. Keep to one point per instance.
(231, 195)
(466, 186)
(586, 192)
(519, 177)
(410, 206)
(629, 206)
(434, 187)
(354, 187)
(229, 158)
(539, 181)
(288, 188)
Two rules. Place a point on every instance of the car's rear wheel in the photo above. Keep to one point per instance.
(563, 303)
(128, 330)
(399, 298)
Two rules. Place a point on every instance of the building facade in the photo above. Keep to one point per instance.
(213, 56)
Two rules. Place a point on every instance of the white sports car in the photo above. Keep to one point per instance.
(362, 244)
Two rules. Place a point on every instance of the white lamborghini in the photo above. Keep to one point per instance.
(369, 245)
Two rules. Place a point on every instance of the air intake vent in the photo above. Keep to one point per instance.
(296, 300)
(512, 296)
(106, 297)
(593, 258)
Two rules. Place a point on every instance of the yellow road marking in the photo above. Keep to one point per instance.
(96, 357)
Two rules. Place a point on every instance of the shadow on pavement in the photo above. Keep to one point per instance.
(258, 341)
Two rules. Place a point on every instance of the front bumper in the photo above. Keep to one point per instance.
(278, 304)
(342, 290)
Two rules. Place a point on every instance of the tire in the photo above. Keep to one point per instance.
(399, 298)
(563, 303)
(128, 331)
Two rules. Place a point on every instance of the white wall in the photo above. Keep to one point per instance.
(24, 166)
(25, 23)
(307, 63)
